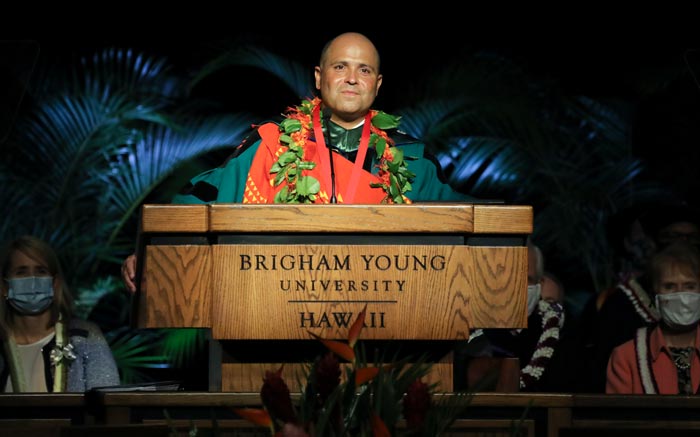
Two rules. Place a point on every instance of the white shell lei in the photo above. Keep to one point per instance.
(552, 321)
(640, 300)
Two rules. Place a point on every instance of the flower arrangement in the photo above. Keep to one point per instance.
(295, 131)
(371, 400)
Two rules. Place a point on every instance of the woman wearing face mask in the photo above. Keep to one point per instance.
(665, 359)
(43, 348)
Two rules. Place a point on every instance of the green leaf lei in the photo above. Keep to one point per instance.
(301, 188)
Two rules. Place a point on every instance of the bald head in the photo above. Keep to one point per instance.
(349, 38)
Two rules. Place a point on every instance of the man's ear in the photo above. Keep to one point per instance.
(317, 75)
(379, 84)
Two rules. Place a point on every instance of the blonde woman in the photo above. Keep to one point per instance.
(43, 348)
(665, 359)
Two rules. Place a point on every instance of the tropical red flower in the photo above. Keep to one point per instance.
(356, 328)
(416, 404)
(275, 396)
(339, 348)
(379, 428)
(327, 376)
(257, 416)
(330, 406)
(365, 374)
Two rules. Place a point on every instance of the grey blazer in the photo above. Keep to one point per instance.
(94, 365)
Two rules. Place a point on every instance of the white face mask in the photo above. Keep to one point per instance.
(534, 292)
(680, 309)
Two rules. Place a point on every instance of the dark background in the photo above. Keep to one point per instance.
(657, 86)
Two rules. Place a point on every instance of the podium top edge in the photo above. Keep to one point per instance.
(429, 217)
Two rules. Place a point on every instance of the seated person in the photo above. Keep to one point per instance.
(629, 305)
(44, 349)
(535, 346)
(664, 359)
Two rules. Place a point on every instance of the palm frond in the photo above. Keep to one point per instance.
(129, 70)
(183, 345)
(109, 71)
(140, 168)
(134, 350)
(422, 120)
(74, 136)
(486, 165)
(290, 72)
(87, 297)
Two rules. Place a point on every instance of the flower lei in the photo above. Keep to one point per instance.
(295, 131)
(552, 321)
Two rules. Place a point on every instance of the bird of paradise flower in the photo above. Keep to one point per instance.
(370, 401)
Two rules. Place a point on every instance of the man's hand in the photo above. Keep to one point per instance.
(129, 273)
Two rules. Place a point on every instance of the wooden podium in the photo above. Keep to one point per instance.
(262, 277)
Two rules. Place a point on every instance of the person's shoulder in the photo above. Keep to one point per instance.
(415, 150)
(402, 138)
(412, 147)
(257, 133)
(626, 349)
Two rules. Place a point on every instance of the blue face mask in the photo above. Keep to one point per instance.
(32, 295)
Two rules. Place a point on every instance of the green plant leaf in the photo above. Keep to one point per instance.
(307, 185)
(384, 121)
(380, 146)
(286, 139)
(282, 195)
(289, 126)
(307, 165)
(287, 158)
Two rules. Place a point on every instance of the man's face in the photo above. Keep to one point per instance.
(349, 79)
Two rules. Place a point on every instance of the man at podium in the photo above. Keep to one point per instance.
(332, 149)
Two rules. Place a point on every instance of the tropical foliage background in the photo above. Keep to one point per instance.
(100, 132)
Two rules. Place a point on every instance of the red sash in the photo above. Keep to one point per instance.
(260, 182)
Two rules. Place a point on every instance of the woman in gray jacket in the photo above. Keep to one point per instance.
(43, 348)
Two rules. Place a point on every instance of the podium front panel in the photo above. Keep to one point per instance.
(417, 292)
(191, 274)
